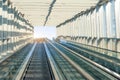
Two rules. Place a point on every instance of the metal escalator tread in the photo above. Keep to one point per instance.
(65, 68)
(89, 69)
(38, 68)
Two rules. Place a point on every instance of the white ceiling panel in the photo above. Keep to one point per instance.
(37, 10)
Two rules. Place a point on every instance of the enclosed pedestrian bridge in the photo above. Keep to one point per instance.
(86, 45)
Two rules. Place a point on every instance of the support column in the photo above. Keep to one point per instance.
(9, 28)
(117, 16)
(5, 27)
(12, 28)
(111, 25)
(104, 28)
(1, 28)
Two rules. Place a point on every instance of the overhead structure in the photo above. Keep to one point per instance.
(91, 9)
(37, 10)
(49, 11)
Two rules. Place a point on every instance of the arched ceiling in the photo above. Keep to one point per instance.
(37, 10)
